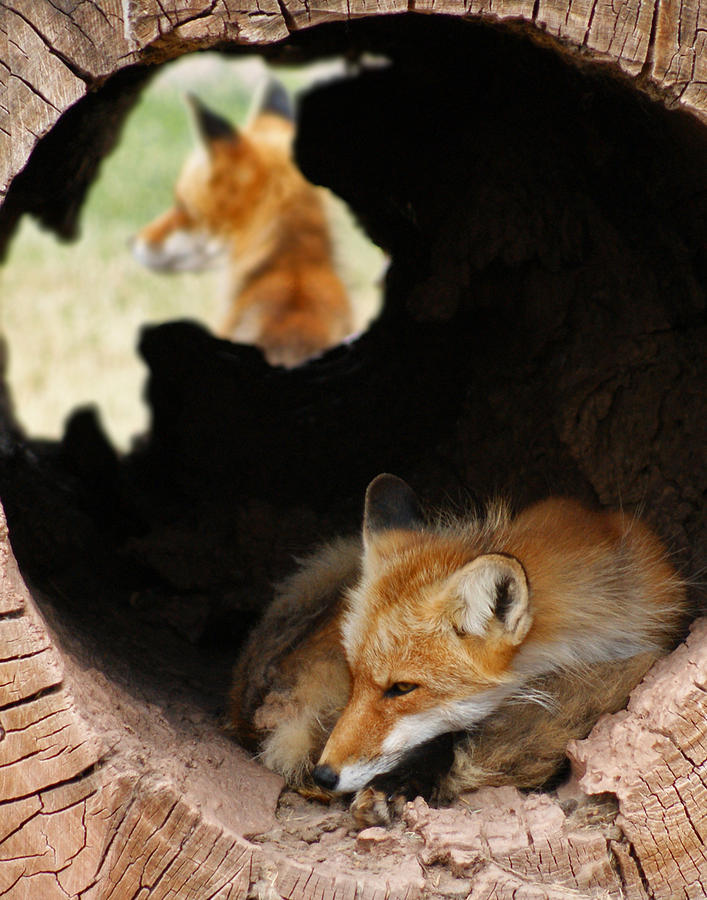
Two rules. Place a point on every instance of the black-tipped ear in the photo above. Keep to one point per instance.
(277, 101)
(390, 503)
(209, 125)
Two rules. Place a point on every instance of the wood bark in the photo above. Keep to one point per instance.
(545, 307)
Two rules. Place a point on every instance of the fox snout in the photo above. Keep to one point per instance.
(325, 777)
(350, 770)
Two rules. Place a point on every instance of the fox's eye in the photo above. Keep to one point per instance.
(400, 688)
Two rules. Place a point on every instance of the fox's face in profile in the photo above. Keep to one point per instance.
(227, 179)
(429, 635)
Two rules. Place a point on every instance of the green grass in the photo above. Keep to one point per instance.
(71, 313)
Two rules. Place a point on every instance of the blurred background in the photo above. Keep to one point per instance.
(71, 313)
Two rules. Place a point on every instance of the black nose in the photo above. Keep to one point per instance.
(325, 777)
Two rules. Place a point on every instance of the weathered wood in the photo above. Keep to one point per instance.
(40, 88)
(111, 786)
(653, 757)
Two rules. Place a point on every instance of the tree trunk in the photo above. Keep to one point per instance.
(537, 173)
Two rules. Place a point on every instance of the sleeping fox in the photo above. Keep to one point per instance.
(437, 657)
(240, 199)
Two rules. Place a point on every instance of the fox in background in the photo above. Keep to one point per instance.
(435, 657)
(240, 195)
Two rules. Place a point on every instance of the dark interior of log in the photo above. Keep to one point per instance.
(543, 332)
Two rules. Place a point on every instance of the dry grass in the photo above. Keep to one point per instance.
(72, 313)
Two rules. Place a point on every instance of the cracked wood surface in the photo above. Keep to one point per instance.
(530, 839)
(54, 54)
(653, 757)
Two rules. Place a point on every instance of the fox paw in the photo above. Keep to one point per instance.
(370, 807)
(373, 806)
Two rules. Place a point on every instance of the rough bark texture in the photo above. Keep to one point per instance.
(541, 188)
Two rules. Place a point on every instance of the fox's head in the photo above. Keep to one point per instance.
(429, 634)
(230, 175)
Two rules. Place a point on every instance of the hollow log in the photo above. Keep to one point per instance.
(537, 173)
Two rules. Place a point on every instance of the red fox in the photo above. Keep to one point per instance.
(439, 657)
(240, 197)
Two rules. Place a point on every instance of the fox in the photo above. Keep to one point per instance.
(241, 200)
(436, 655)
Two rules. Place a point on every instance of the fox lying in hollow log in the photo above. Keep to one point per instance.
(433, 658)
(241, 198)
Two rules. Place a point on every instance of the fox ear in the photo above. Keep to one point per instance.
(276, 100)
(209, 125)
(492, 586)
(390, 503)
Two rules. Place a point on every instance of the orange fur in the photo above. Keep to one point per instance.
(241, 196)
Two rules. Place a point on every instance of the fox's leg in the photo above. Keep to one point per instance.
(291, 680)
(295, 722)
(419, 775)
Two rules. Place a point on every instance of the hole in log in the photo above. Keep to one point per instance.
(543, 332)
